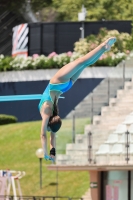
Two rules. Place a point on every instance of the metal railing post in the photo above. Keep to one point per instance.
(90, 147)
(123, 73)
(127, 145)
(57, 181)
(108, 90)
(73, 127)
(92, 102)
(40, 173)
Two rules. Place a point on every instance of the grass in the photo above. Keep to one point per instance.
(18, 144)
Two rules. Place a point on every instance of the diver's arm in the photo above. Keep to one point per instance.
(45, 113)
(44, 134)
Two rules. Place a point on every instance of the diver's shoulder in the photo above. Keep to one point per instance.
(46, 108)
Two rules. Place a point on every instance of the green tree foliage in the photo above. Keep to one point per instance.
(96, 9)
(117, 10)
(12, 5)
(15, 5)
(68, 9)
(39, 4)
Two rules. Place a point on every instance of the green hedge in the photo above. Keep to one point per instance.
(7, 119)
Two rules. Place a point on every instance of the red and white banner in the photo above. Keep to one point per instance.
(20, 40)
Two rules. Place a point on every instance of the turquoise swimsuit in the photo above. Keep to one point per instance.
(61, 87)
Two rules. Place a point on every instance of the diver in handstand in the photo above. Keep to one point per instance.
(61, 82)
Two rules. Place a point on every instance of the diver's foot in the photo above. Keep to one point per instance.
(109, 42)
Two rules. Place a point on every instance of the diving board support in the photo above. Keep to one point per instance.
(20, 97)
(23, 97)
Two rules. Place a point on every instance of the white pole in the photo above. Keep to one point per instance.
(9, 182)
(8, 187)
(14, 188)
(19, 188)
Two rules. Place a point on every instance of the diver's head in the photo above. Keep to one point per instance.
(54, 123)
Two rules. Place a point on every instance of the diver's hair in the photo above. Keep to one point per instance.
(55, 123)
(55, 108)
(55, 120)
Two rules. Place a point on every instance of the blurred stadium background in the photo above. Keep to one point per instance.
(95, 147)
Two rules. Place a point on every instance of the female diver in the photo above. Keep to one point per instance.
(61, 82)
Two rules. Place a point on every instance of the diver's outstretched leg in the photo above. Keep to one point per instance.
(77, 74)
(68, 71)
